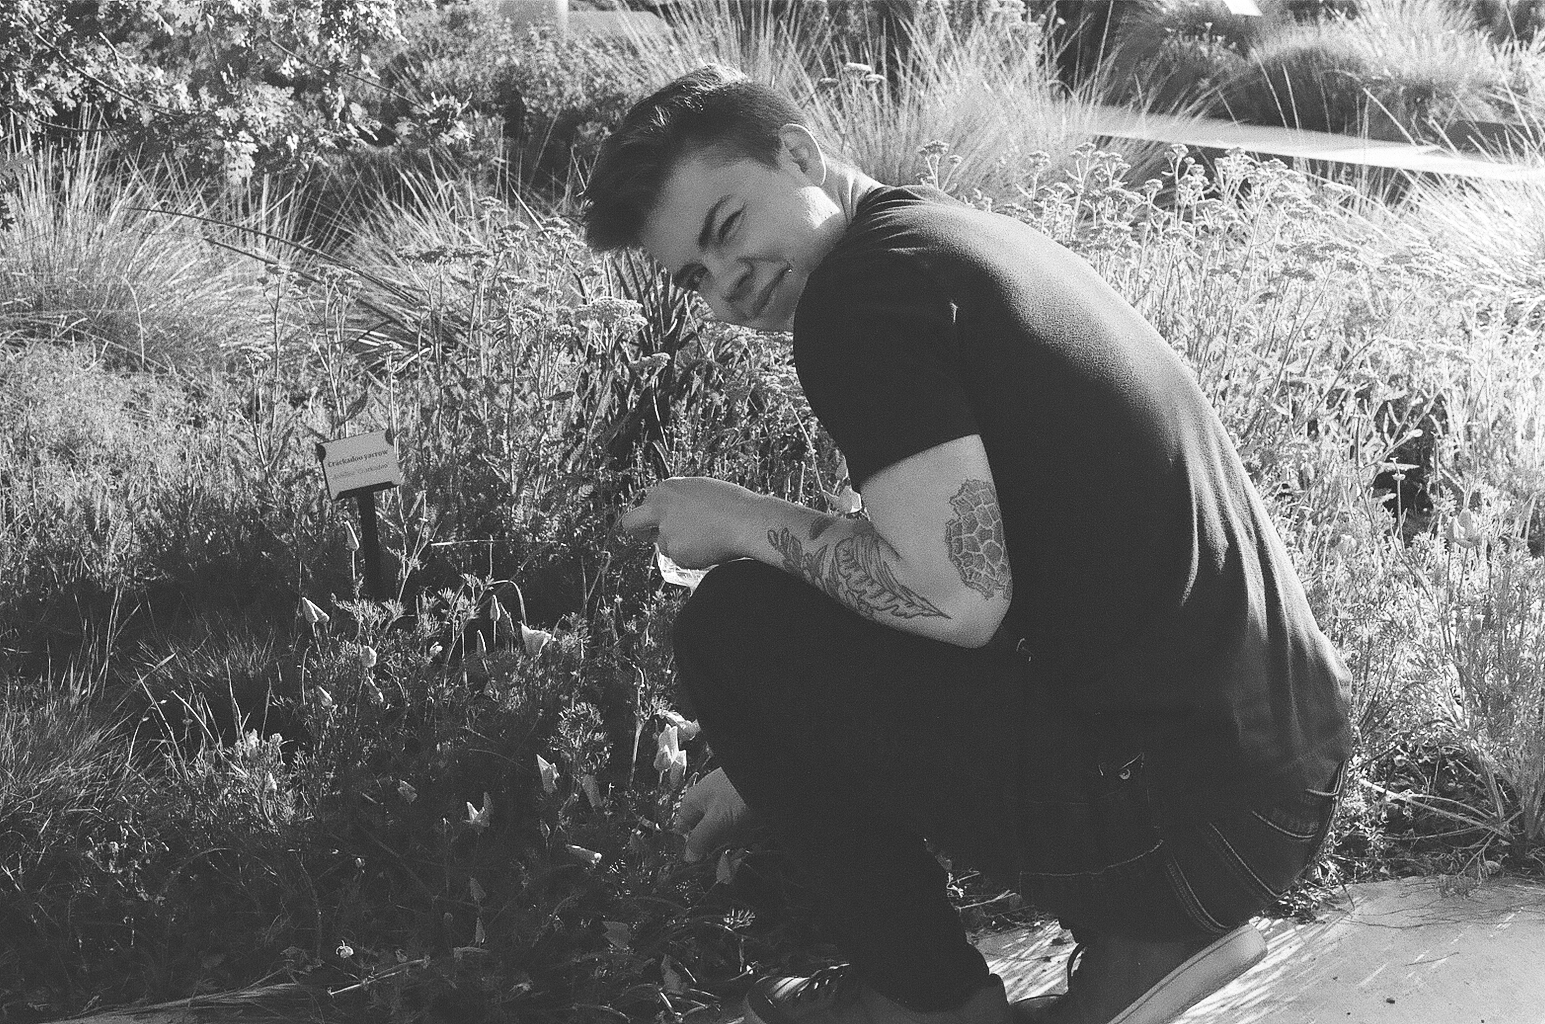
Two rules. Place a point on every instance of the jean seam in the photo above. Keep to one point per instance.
(1289, 833)
(1098, 871)
(1190, 901)
(1240, 866)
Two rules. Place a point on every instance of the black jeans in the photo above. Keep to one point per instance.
(855, 741)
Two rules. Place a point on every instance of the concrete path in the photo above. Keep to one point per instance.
(1298, 144)
(1404, 952)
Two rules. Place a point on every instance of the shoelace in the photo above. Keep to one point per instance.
(827, 983)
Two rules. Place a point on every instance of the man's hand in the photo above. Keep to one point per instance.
(712, 815)
(695, 521)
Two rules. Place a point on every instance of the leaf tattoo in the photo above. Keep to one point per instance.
(975, 538)
(853, 572)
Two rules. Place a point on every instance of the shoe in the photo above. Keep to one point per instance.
(1119, 981)
(836, 995)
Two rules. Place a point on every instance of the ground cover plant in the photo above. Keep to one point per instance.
(223, 764)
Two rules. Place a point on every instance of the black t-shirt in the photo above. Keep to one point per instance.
(1149, 581)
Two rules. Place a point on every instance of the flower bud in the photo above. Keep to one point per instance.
(311, 613)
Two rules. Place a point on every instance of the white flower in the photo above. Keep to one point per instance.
(344, 951)
(845, 501)
(1465, 530)
(670, 758)
(367, 656)
(478, 819)
(311, 613)
(534, 639)
(324, 698)
(685, 728)
(549, 773)
(587, 857)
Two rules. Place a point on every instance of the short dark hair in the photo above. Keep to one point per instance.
(711, 107)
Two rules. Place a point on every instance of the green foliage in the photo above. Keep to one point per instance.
(228, 87)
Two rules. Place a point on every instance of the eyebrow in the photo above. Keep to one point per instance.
(703, 238)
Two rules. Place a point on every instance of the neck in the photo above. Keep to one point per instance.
(847, 186)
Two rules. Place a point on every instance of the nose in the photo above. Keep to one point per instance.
(728, 279)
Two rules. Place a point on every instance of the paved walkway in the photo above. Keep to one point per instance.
(1403, 952)
(1295, 143)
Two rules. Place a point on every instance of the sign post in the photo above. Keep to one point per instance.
(356, 467)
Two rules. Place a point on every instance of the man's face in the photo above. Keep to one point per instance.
(743, 234)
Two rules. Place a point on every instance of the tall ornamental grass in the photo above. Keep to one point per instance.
(91, 262)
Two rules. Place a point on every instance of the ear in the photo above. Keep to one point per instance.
(804, 151)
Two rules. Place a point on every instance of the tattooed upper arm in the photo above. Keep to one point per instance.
(974, 536)
(938, 512)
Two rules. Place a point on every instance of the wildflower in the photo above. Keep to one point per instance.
(476, 891)
(479, 645)
(324, 698)
(313, 615)
(685, 729)
(478, 819)
(367, 657)
(479, 934)
(589, 858)
(350, 538)
(406, 791)
(549, 773)
(534, 639)
(937, 147)
(873, 79)
(646, 365)
(845, 501)
(1465, 530)
(496, 610)
(374, 695)
(855, 69)
(344, 951)
(270, 784)
(670, 758)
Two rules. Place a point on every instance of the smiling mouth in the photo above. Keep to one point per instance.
(766, 297)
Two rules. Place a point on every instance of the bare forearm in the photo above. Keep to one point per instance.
(848, 560)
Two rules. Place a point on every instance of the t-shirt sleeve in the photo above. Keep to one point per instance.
(876, 353)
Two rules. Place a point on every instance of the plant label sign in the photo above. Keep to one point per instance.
(359, 464)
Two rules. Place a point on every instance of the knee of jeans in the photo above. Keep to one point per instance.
(727, 610)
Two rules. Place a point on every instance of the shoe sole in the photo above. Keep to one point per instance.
(1197, 978)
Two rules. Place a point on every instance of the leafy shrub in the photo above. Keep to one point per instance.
(228, 88)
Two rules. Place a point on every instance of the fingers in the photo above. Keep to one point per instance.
(640, 519)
